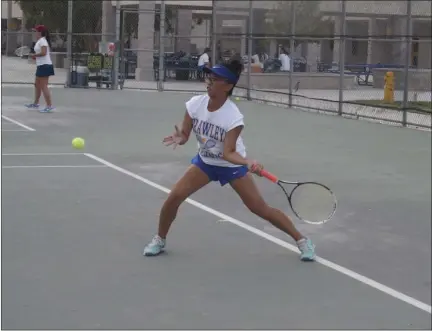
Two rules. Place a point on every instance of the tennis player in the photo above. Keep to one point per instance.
(44, 68)
(217, 124)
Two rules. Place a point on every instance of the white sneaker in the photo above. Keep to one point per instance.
(155, 247)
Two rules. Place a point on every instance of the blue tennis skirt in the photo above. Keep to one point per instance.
(45, 70)
(223, 175)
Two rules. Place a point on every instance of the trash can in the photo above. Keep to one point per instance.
(299, 65)
(79, 76)
(182, 74)
(182, 68)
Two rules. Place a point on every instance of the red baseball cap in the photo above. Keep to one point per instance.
(39, 28)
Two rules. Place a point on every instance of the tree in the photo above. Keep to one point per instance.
(51, 13)
(87, 20)
(86, 23)
(309, 21)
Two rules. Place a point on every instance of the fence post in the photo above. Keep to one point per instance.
(249, 36)
(69, 42)
(292, 49)
(118, 52)
(161, 68)
(23, 28)
(214, 34)
(8, 50)
(407, 61)
(342, 36)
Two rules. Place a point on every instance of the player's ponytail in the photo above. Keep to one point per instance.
(236, 67)
(45, 33)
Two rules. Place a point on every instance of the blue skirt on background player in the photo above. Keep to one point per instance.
(45, 70)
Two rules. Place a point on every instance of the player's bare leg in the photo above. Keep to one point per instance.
(193, 180)
(251, 197)
(45, 91)
(37, 94)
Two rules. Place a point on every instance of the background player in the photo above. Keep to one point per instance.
(44, 68)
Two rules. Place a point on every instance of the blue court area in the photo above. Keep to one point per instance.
(74, 223)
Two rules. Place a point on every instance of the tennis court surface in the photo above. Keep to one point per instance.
(74, 223)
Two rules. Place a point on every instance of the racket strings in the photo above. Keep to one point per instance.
(313, 203)
(22, 51)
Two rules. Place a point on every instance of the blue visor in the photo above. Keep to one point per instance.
(221, 71)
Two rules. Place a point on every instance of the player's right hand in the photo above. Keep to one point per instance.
(255, 167)
(177, 138)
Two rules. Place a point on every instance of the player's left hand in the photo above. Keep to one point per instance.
(255, 167)
(175, 139)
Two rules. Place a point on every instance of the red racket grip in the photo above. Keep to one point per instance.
(269, 176)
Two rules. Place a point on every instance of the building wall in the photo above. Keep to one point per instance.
(365, 18)
(420, 8)
(16, 10)
(200, 36)
(380, 51)
(208, 3)
(374, 8)
(423, 29)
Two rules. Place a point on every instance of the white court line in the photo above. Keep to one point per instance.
(55, 166)
(27, 85)
(18, 123)
(15, 130)
(381, 287)
(41, 154)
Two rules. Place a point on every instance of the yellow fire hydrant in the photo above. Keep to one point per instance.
(389, 87)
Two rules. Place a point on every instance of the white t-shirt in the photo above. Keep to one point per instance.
(41, 60)
(286, 62)
(210, 129)
(203, 59)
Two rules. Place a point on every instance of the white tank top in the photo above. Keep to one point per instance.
(41, 60)
(210, 129)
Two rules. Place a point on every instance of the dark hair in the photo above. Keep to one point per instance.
(236, 67)
(45, 33)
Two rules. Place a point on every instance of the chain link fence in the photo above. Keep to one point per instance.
(358, 59)
(338, 57)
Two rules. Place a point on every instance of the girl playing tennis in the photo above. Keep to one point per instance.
(44, 68)
(217, 124)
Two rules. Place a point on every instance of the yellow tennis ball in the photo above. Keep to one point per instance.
(78, 143)
(237, 99)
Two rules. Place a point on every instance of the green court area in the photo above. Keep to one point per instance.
(425, 106)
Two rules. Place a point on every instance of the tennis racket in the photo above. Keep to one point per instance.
(23, 51)
(312, 202)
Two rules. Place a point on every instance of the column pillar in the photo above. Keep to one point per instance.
(326, 55)
(144, 70)
(425, 55)
(26, 36)
(11, 39)
(244, 39)
(336, 43)
(273, 48)
(372, 47)
(183, 29)
(424, 48)
(108, 21)
(398, 28)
